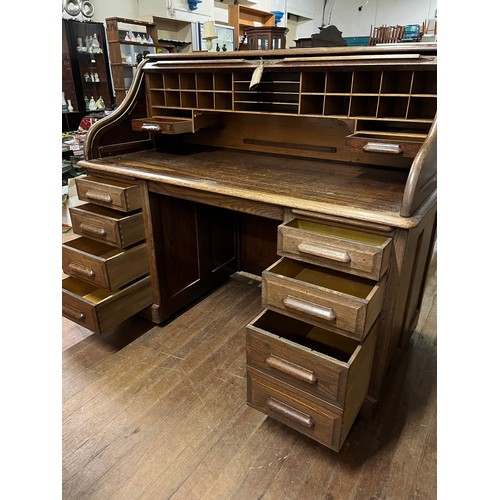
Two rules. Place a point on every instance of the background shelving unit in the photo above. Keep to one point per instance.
(241, 17)
(77, 67)
(125, 55)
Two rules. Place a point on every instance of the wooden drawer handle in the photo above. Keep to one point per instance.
(380, 147)
(99, 196)
(326, 253)
(306, 307)
(290, 412)
(82, 270)
(150, 127)
(89, 228)
(73, 313)
(292, 369)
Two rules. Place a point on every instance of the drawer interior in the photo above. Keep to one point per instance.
(102, 211)
(85, 290)
(381, 136)
(95, 248)
(315, 338)
(103, 182)
(339, 232)
(326, 278)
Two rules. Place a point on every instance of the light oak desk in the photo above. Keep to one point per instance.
(313, 168)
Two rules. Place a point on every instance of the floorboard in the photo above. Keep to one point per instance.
(159, 412)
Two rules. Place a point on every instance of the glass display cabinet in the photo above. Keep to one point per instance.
(266, 38)
(86, 77)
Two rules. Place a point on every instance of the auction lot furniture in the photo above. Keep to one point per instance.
(312, 168)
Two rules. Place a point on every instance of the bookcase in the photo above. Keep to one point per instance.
(125, 54)
(241, 17)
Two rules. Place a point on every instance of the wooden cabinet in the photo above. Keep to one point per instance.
(319, 177)
(86, 72)
(265, 38)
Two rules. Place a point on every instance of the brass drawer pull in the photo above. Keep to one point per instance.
(89, 228)
(99, 196)
(326, 253)
(292, 369)
(82, 270)
(150, 127)
(380, 147)
(292, 413)
(73, 313)
(306, 307)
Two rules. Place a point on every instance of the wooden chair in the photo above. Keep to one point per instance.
(386, 34)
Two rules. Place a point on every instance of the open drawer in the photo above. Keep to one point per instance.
(163, 125)
(109, 226)
(112, 193)
(323, 297)
(98, 309)
(323, 363)
(307, 378)
(348, 250)
(103, 265)
(385, 143)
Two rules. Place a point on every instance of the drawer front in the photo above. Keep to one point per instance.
(163, 125)
(322, 297)
(78, 310)
(290, 350)
(308, 415)
(348, 250)
(386, 145)
(108, 226)
(120, 195)
(103, 265)
(99, 310)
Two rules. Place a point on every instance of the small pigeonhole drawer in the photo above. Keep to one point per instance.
(323, 297)
(405, 145)
(112, 193)
(109, 226)
(99, 310)
(163, 125)
(323, 363)
(103, 265)
(349, 250)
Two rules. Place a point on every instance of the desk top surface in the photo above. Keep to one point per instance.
(346, 190)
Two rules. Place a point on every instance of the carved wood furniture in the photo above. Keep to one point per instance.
(266, 38)
(321, 178)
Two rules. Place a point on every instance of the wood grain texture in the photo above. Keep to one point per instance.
(422, 180)
(344, 190)
(160, 413)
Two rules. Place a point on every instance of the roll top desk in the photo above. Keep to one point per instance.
(314, 169)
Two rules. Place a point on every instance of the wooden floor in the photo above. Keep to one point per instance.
(160, 412)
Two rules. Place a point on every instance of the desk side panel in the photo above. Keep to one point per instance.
(113, 135)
